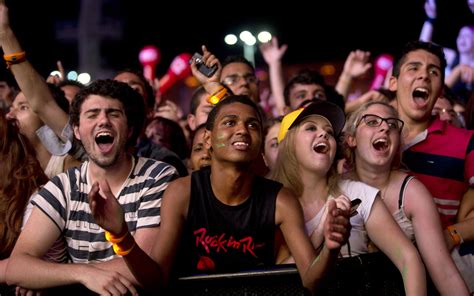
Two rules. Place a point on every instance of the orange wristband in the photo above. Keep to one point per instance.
(14, 58)
(119, 251)
(457, 238)
(114, 239)
(217, 96)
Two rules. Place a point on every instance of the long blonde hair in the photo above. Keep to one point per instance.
(286, 170)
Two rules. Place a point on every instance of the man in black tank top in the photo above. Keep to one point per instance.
(224, 218)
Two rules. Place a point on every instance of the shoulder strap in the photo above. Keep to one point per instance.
(402, 190)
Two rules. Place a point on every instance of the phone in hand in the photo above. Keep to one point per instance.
(354, 205)
(208, 71)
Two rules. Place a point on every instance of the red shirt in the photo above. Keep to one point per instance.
(442, 158)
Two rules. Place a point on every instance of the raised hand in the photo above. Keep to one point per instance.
(56, 79)
(337, 227)
(209, 59)
(430, 9)
(357, 64)
(169, 110)
(271, 52)
(106, 210)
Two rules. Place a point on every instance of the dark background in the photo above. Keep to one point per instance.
(314, 30)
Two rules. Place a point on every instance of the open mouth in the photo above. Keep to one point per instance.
(420, 95)
(104, 141)
(321, 148)
(380, 144)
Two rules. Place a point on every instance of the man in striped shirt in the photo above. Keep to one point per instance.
(440, 155)
(107, 117)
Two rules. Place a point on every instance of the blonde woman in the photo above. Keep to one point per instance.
(306, 165)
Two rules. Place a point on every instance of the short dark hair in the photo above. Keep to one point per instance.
(237, 59)
(410, 46)
(243, 99)
(308, 76)
(149, 92)
(132, 101)
(67, 82)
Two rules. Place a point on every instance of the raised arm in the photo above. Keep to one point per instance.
(387, 235)
(427, 29)
(356, 65)
(420, 206)
(29, 80)
(272, 54)
(211, 84)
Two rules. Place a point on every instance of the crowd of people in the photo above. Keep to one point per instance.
(109, 189)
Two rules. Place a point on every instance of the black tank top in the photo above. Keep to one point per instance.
(220, 238)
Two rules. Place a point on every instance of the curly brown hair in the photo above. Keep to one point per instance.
(22, 175)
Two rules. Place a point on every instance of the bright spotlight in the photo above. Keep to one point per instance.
(230, 39)
(264, 36)
(72, 75)
(84, 78)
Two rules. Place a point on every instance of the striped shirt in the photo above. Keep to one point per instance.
(64, 200)
(442, 158)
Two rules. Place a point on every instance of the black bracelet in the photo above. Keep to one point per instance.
(430, 20)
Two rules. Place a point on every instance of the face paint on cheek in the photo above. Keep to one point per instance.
(220, 145)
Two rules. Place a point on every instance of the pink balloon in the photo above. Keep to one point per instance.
(149, 57)
(383, 64)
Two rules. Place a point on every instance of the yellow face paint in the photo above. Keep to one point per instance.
(220, 145)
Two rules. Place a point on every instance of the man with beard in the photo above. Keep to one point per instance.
(107, 117)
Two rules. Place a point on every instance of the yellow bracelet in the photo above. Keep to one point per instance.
(217, 96)
(113, 239)
(121, 252)
(14, 58)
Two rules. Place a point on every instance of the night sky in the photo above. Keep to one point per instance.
(322, 31)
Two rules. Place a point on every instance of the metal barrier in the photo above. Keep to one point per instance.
(279, 280)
